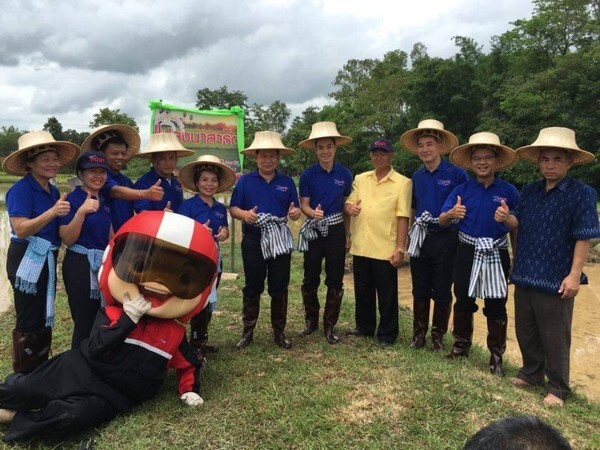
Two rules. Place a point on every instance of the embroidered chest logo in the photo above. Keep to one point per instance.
(219, 215)
(444, 182)
(339, 182)
(281, 188)
(498, 199)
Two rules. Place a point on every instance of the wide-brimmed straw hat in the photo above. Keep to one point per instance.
(428, 127)
(164, 142)
(187, 173)
(321, 130)
(34, 143)
(101, 134)
(505, 156)
(267, 140)
(555, 138)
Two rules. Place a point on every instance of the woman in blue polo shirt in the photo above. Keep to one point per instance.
(86, 230)
(34, 205)
(206, 176)
(482, 261)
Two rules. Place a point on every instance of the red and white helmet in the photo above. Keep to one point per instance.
(168, 258)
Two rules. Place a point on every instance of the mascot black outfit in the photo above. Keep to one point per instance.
(160, 266)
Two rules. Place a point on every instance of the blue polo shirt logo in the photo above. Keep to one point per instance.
(498, 199)
(281, 188)
(444, 182)
(339, 182)
(219, 215)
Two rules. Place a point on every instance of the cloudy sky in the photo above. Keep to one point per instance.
(70, 58)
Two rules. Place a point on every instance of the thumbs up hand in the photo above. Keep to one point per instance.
(155, 192)
(502, 212)
(222, 235)
(90, 205)
(207, 226)
(251, 215)
(294, 212)
(62, 207)
(354, 209)
(458, 211)
(318, 212)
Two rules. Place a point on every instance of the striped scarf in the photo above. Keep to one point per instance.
(38, 251)
(94, 257)
(417, 233)
(487, 277)
(311, 229)
(275, 237)
(212, 297)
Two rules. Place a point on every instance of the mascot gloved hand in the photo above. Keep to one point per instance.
(157, 272)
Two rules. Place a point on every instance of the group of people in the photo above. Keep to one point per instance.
(456, 231)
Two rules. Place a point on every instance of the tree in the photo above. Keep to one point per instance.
(107, 116)
(220, 98)
(9, 138)
(54, 127)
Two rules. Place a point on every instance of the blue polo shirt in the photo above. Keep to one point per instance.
(481, 204)
(200, 211)
(328, 189)
(95, 229)
(171, 187)
(272, 197)
(431, 189)
(549, 225)
(27, 198)
(121, 210)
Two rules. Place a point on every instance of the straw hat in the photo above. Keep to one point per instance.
(559, 138)
(165, 142)
(187, 172)
(428, 127)
(461, 155)
(34, 143)
(322, 130)
(100, 134)
(267, 140)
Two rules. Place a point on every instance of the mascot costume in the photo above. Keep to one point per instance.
(159, 267)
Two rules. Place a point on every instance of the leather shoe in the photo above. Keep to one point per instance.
(307, 331)
(244, 342)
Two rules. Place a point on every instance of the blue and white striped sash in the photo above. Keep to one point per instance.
(311, 229)
(94, 257)
(275, 237)
(418, 232)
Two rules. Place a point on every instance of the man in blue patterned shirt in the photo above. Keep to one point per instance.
(548, 265)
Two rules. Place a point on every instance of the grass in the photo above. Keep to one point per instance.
(317, 396)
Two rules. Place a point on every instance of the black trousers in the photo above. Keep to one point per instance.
(376, 283)
(256, 269)
(543, 325)
(30, 308)
(494, 308)
(432, 271)
(76, 275)
(332, 248)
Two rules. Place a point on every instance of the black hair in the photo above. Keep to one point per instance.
(201, 169)
(117, 140)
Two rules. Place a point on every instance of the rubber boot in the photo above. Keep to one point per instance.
(463, 334)
(496, 342)
(310, 300)
(279, 320)
(439, 325)
(250, 310)
(420, 322)
(30, 349)
(331, 314)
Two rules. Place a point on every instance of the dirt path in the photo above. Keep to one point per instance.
(585, 347)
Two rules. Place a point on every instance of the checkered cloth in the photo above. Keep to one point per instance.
(275, 237)
(487, 277)
(312, 229)
(418, 232)
(94, 257)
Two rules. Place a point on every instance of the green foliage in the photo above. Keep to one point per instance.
(220, 98)
(107, 116)
(9, 137)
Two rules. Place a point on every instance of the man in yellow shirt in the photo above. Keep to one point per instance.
(379, 206)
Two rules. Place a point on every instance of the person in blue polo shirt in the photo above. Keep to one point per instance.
(34, 206)
(164, 150)
(119, 143)
(431, 247)
(206, 176)
(482, 260)
(547, 270)
(264, 199)
(86, 231)
(324, 188)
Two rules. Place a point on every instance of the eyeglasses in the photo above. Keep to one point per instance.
(483, 158)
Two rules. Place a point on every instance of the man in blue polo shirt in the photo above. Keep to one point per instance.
(482, 261)
(324, 188)
(119, 143)
(431, 248)
(264, 199)
(548, 266)
(164, 150)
